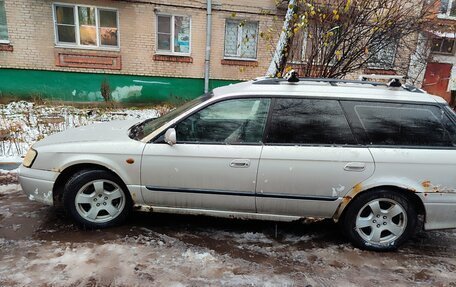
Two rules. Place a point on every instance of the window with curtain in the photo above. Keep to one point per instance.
(173, 34)
(86, 26)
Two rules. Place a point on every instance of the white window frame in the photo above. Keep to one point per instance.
(171, 51)
(78, 45)
(5, 41)
(447, 15)
(239, 41)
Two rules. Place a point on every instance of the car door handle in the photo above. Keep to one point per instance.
(355, 166)
(240, 163)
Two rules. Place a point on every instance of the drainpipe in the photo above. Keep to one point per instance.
(207, 60)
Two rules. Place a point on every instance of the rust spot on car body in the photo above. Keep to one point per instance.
(357, 188)
(130, 161)
(426, 184)
(431, 188)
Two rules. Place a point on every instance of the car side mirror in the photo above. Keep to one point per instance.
(170, 136)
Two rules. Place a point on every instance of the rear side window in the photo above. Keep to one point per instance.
(308, 121)
(403, 124)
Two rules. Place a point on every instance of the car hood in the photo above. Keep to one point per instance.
(108, 131)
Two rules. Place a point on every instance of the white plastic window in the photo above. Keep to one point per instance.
(86, 26)
(448, 8)
(241, 38)
(173, 34)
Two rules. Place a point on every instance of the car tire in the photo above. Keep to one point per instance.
(96, 199)
(380, 220)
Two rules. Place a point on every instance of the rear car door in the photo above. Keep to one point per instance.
(310, 159)
(213, 165)
(414, 147)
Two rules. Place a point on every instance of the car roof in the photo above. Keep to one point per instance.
(331, 88)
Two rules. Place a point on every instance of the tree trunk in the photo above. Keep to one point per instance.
(279, 59)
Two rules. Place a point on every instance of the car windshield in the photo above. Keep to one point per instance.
(143, 129)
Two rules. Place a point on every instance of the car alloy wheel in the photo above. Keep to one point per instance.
(381, 221)
(100, 201)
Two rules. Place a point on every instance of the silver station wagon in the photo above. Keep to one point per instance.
(378, 159)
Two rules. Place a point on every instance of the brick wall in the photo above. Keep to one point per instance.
(32, 40)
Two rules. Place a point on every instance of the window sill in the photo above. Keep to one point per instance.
(445, 16)
(108, 49)
(237, 62)
(442, 54)
(173, 58)
(379, 71)
(6, 47)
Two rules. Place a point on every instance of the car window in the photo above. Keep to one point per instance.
(403, 124)
(309, 121)
(449, 123)
(230, 122)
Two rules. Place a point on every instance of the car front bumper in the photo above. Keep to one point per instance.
(38, 184)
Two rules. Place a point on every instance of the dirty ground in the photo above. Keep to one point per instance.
(39, 246)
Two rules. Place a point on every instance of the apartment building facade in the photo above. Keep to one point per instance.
(154, 50)
(145, 50)
(437, 75)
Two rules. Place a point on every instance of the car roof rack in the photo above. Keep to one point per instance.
(333, 82)
(293, 79)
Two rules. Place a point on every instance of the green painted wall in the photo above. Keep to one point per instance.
(85, 87)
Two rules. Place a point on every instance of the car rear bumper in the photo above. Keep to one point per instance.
(38, 184)
(440, 210)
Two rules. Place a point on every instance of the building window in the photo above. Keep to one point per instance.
(3, 26)
(443, 46)
(300, 47)
(86, 26)
(173, 34)
(241, 39)
(384, 57)
(448, 8)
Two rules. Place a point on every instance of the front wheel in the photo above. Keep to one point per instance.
(380, 220)
(96, 199)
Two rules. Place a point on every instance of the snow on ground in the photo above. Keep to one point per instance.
(8, 177)
(39, 246)
(22, 123)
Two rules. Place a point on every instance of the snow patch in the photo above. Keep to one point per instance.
(23, 123)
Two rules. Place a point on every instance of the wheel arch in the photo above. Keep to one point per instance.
(357, 190)
(69, 171)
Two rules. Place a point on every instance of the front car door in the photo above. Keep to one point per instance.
(310, 160)
(214, 163)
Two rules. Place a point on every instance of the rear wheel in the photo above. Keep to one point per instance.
(96, 199)
(381, 220)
